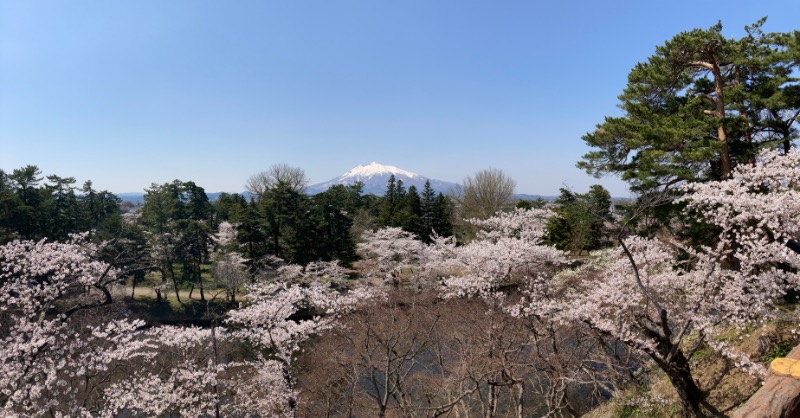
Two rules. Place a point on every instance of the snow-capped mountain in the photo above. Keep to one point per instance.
(375, 176)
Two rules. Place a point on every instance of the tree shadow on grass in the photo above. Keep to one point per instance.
(191, 312)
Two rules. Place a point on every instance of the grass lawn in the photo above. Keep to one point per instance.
(144, 293)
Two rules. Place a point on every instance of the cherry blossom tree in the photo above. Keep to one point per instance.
(230, 272)
(225, 238)
(319, 271)
(56, 365)
(180, 375)
(279, 319)
(50, 364)
(228, 265)
(186, 362)
(388, 253)
(507, 249)
(665, 299)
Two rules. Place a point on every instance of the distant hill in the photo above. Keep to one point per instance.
(131, 197)
(521, 196)
(375, 176)
(378, 189)
(138, 197)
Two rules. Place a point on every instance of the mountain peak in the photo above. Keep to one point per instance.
(373, 169)
(374, 176)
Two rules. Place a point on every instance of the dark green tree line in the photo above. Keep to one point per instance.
(31, 208)
(281, 220)
(178, 217)
(422, 215)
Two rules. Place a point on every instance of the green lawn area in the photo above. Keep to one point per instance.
(188, 310)
(144, 292)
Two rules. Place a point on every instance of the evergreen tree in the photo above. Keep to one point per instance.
(700, 105)
(442, 216)
(229, 207)
(194, 226)
(53, 210)
(410, 212)
(63, 213)
(251, 236)
(9, 202)
(290, 231)
(399, 190)
(581, 222)
(599, 203)
(101, 209)
(160, 209)
(427, 211)
(27, 216)
(177, 216)
(335, 209)
(537, 203)
(388, 204)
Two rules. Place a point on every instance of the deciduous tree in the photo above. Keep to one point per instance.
(482, 195)
(665, 299)
(282, 175)
(49, 363)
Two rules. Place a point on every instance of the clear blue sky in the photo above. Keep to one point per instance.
(128, 93)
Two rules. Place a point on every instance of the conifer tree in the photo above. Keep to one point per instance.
(581, 222)
(399, 190)
(62, 211)
(442, 216)
(251, 235)
(410, 213)
(427, 211)
(24, 183)
(389, 204)
(699, 106)
(335, 209)
(8, 205)
(229, 207)
(98, 207)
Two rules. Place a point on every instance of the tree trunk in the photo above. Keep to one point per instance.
(174, 283)
(291, 402)
(276, 242)
(199, 273)
(216, 355)
(786, 133)
(680, 375)
(200, 279)
(491, 409)
(520, 398)
(748, 135)
(719, 114)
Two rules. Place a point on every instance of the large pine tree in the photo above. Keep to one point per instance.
(697, 107)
